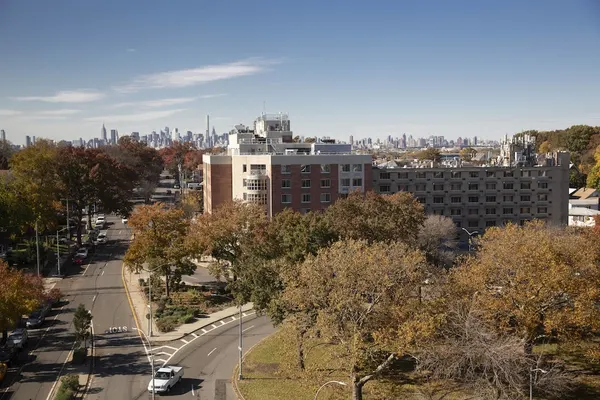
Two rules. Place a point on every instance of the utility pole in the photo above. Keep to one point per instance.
(57, 253)
(68, 222)
(240, 376)
(37, 247)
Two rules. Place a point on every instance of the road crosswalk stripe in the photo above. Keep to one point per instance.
(184, 341)
(195, 336)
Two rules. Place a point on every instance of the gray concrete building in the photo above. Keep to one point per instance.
(522, 186)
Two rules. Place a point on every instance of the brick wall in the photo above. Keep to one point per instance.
(217, 186)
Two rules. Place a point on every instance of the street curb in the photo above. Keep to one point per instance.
(85, 389)
(234, 381)
(133, 311)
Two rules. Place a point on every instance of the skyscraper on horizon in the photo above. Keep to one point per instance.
(103, 134)
(2, 135)
(114, 136)
(27, 140)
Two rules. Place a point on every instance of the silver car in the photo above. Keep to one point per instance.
(18, 338)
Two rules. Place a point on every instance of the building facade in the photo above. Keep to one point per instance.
(519, 187)
(265, 165)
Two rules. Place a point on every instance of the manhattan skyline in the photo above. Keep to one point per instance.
(423, 68)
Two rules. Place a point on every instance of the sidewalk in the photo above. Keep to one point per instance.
(138, 302)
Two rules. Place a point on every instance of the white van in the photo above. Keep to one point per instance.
(194, 185)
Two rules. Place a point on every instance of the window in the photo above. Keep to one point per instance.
(473, 211)
(325, 183)
(402, 175)
(490, 185)
(325, 197)
(384, 175)
(524, 221)
(490, 174)
(420, 199)
(508, 185)
(345, 182)
(258, 167)
(306, 197)
(357, 167)
(474, 224)
(438, 212)
(438, 187)
(525, 210)
(507, 210)
(473, 186)
(305, 169)
(438, 175)
(244, 168)
(542, 210)
(420, 187)
(286, 184)
(473, 199)
(543, 173)
(525, 185)
(286, 198)
(305, 183)
(455, 199)
(357, 182)
(384, 188)
(403, 188)
(455, 174)
(508, 174)
(489, 224)
(285, 169)
(490, 199)
(455, 186)
(542, 197)
(326, 168)
(491, 210)
(256, 184)
(526, 174)
(474, 174)
(345, 167)
(455, 211)
(256, 198)
(438, 199)
(508, 197)
(244, 182)
(526, 198)
(421, 175)
(543, 185)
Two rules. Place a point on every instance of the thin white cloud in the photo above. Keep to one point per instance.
(62, 112)
(130, 50)
(195, 76)
(164, 102)
(74, 96)
(138, 117)
(9, 113)
(37, 117)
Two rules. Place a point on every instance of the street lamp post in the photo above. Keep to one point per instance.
(240, 347)
(151, 360)
(37, 247)
(470, 236)
(531, 371)
(327, 383)
(150, 271)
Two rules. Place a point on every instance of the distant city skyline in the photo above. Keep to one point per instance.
(463, 68)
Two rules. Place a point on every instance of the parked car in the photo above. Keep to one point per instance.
(124, 220)
(102, 237)
(18, 338)
(169, 191)
(37, 318)
(78, 260)
(7, 355)
(82, 252)
(176, 186)
(165, 378)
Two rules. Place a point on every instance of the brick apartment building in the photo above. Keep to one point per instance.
(264, 165)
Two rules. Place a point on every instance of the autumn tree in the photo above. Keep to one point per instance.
(437, 238)
(468, 153)
(228, 235)
(159, 243)
(20, 294)
(533, 281)
(174, 155)
(593, 178)
(15, 211)
(376, 218)
(429, 154)
(6, 152)
(352, 286)
(35, 172)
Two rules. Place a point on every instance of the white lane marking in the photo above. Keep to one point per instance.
(204, 331)
(102, 272)
(214, 326)
(184, 341)
(94, 299)
(162, 352)
(212, 351)
(244, 314)
(120, 232)
(195, 336)
(248, 328)
(222, 323)
(233, 319)
(86, 268)
(160, 359)
(168, 347)
(60, 373)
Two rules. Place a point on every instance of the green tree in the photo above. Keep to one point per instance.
(82, 322)
(430, 154)
(6, 152)
(15, 211)
(160, 243)
(35, 172)
(352, 286)
(593, 178)
(377, 218)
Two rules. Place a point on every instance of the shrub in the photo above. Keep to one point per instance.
(64, 394)
(166, 324)
(188, 318)
(71, 381)
(54, 296)
(79, 355)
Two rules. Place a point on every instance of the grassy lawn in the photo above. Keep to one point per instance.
(271, 373)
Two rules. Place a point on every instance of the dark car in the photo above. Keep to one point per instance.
(37, 318)
(7, 355)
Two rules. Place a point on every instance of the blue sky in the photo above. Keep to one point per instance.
(421, 67)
